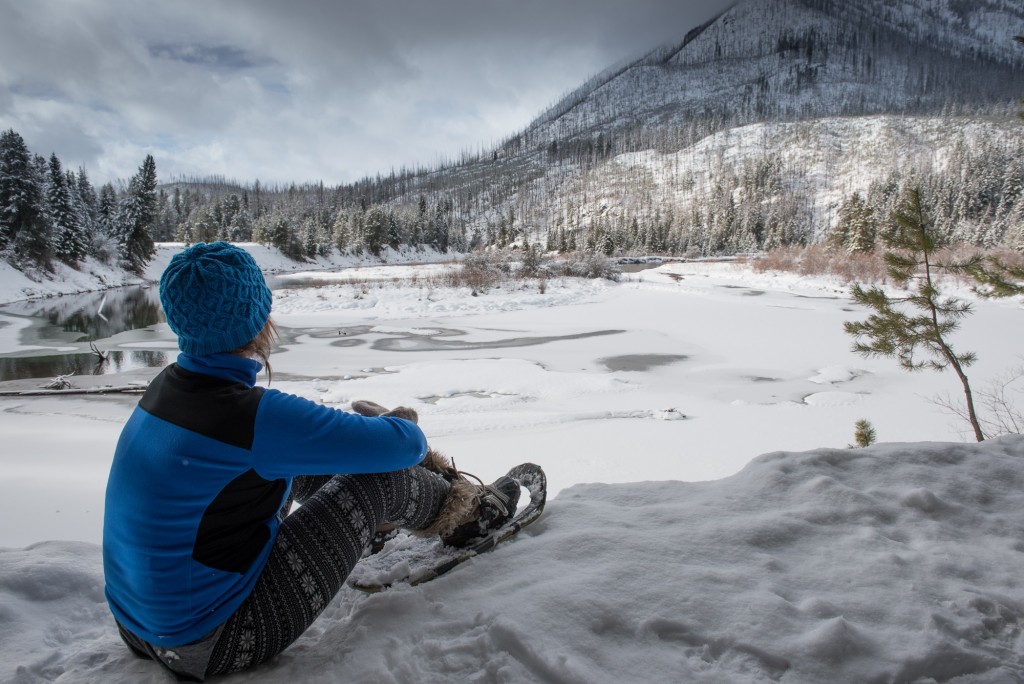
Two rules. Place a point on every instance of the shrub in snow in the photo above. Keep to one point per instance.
(590, 265)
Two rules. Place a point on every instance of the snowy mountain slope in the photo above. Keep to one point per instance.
(796, 59)
(965, 28)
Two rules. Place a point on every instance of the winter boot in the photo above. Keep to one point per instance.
(472, 511)
(495, 506)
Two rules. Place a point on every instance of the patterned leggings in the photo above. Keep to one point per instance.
(316, 548)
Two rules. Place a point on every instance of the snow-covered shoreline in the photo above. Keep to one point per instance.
(93, 275)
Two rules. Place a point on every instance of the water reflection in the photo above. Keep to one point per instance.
(91, 316)
(75, 321)
(79, 364)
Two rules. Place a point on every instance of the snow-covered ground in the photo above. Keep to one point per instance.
(669, 550)
(94, 275)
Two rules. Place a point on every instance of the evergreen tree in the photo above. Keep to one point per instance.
(340, 231)
(233, 220)
(86, 204)
(893, 329)
(394, 232)
(106, 212)
(419, 228)
(459, 241)
(501, 239)
(375, 230)
(1012, 191)
(532, 262)
(71, 181)
(42, 171)
(202, 227)
(135, 214)
(147, 188)
(308, 237)
(24, 226)
(176, 207)
(855, 230)
(89, 199)
(277, 231)
(261, 230)
(441, 225)
(69, 241)
(357, 230)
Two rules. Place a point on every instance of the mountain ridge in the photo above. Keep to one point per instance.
(693, 79)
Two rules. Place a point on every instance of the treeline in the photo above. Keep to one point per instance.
(51, 214)
(747, 211)
(307, 221)
(978, 199)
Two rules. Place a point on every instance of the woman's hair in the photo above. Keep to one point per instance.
(260, 346)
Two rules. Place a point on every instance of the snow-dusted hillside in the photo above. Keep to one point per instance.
(823, 161)
(966, 28)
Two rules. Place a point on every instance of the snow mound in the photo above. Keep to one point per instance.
(833, 398)
(834, 374)
(899, 562)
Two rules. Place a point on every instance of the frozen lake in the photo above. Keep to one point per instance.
(46, 337)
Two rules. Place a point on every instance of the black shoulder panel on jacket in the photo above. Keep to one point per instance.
(219, 409)
(234, 529)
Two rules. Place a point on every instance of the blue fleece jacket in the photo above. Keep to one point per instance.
(200, 473)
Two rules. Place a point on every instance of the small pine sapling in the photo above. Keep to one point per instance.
(919, 324)
(863, 434)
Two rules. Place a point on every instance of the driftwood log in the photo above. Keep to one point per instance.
(123, 389)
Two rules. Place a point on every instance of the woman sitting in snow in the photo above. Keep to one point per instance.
(206, 570)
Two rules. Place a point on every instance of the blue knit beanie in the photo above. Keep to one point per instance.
(214, 297)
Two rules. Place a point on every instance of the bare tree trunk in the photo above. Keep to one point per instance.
(972, 416)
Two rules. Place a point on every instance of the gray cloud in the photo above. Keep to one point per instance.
(222, 56)
(304, 90)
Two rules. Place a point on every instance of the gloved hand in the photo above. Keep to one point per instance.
(434, 460)
(373, 409)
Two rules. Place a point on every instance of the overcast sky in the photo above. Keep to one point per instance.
(303, 90)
